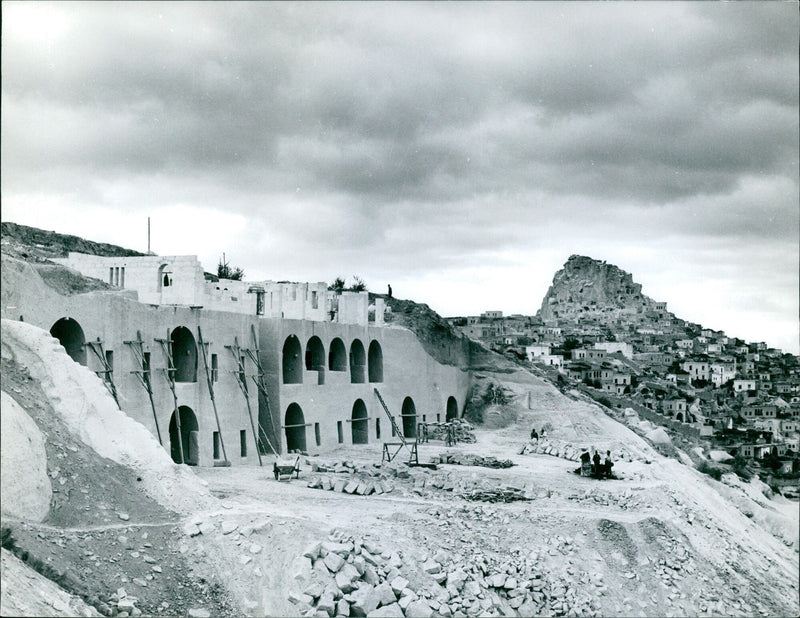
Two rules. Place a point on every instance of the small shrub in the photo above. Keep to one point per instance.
(707, 468)
(9, 542)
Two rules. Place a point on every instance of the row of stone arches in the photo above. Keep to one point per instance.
(184, 349)
(363, 365)
(295, 425)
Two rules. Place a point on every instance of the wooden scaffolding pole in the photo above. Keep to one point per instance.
(258, 380)
(210, 382)
(143, 375)
(166, 347)
(242, 380)
(106, 372)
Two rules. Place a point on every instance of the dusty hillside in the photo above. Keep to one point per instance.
(441, 340)
(35, 245)
(663, 540)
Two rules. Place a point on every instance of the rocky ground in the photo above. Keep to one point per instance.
(355, 536)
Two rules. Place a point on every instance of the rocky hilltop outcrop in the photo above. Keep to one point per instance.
(586, 286)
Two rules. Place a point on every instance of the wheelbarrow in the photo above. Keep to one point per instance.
(285, 468)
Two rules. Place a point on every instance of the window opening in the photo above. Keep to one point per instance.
(216, 445)
(317, 436)
(243, 442)
(214, 368)
(340, 431)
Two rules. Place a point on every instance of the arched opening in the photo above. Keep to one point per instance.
(188, 440)
(315, 358)
(452, 408)
(337, 356)
(295, 425)
(184, 355)
(70, 335)
(357, 362)
(359, 423)
(375, 362)
(679, 417)
(409, 414)
(164, 277)
(292, 363)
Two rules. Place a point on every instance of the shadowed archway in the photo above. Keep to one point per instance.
(359, 425)
(409, 414)
(184, 355)
(292, 361)
(452, 408)
(70, 335)
(357, 362)
(189, 437)
(295, 425)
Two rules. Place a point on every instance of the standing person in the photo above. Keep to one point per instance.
(596, 464)
(534, 435)
(607, 465)
(390, 291)
(586, 465)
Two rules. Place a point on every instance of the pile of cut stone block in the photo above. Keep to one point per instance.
(462, 430)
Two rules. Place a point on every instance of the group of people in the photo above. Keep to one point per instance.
(535, 434)
(594, 466)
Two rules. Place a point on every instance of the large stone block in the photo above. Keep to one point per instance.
(387, 611)
(419, 609)
(363, 601)
(327, 604)
(334, 562)
(385, 594)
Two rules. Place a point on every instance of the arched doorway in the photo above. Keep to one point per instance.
(184, 355)
(70, 335)
(359, 423)
(409, 414)
(295, 425)
(452, 408)
(375, 362)
(315, 358)
(357, 362)
(189, 437)
(292, 363)
(679, 417)
(337, 356)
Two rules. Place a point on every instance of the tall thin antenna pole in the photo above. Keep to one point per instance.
(148, 235)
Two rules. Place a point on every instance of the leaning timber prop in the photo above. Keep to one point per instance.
(242, 382)
(143, 375)
(209, 380)
(169, 373)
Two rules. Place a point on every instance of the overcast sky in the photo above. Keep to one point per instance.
(461, 152)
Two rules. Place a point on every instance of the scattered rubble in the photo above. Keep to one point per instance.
(463, 459)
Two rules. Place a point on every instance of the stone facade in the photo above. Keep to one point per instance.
(320, 375)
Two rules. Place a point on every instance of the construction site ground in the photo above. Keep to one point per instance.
(662, 540)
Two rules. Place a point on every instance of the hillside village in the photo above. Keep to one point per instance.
(120, 497)
(596, 330)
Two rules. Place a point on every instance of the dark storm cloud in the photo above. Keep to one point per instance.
(392, 102)
(414, 136)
